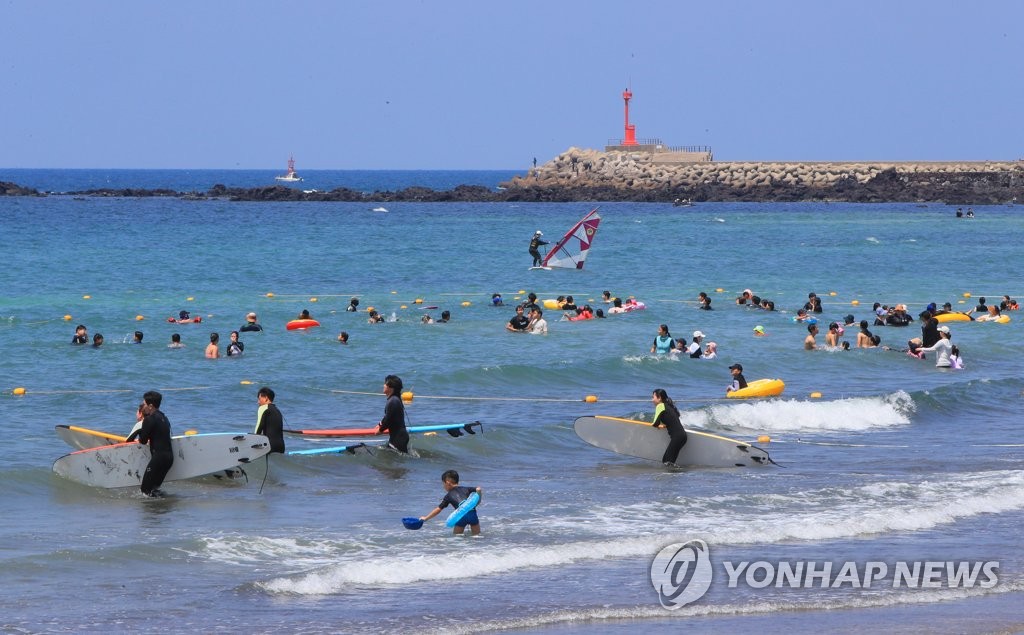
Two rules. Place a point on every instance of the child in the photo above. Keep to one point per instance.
(455, 495)
(738, 381)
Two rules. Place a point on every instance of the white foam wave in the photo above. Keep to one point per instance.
(826, 514)
(595, 616)
(855, 414)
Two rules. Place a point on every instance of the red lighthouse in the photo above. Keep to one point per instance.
(630, 137)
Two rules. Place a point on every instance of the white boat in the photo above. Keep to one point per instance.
(379, 209)
(291, 176)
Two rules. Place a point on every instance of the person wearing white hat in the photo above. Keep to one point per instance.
(535, 244)
(251, 324)
(694, 349)
(942, 349)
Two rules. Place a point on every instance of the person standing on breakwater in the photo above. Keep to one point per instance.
(535, 244)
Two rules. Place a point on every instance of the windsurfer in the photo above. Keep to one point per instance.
(535, 244)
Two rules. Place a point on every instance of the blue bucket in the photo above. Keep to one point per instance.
(411, 522)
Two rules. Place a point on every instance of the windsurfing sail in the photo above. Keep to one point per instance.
(572, 249)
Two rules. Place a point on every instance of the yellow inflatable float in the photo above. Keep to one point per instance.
(759, 388)
(953, 317)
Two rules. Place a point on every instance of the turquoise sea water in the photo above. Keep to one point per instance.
(896, 461)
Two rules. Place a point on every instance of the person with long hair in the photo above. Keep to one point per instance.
(667, 414)
(394, 415)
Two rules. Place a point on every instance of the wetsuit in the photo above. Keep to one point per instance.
(929, 332)
(235, 348)
(79, 339)
(156, 431)
(454, 497)
(394, 423)
(250, 326)
(669, 418)
(739, 382)
(272, 426)
(535, 244)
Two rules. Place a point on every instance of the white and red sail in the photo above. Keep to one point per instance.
(571, 251)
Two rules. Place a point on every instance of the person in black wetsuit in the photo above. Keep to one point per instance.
(535, 244)
(394, 415)
(156, 431)
(271, 423)
(666, 414)
(81, 335)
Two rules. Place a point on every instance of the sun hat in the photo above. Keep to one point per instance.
(738, 367)
(759, 329)
(540, 233)
(251, 315)
(944, 329)
(698, 334)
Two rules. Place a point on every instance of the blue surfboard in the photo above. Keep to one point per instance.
(338, 449)
(464, 508)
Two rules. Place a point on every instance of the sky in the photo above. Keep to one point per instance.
(464, 84)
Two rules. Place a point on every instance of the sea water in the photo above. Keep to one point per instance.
(895, 461)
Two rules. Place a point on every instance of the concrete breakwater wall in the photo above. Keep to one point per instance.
(647, 176)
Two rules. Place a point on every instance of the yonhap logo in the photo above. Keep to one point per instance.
(681, 573)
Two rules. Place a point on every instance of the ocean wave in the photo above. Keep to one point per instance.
(855, 414)
(824, 514)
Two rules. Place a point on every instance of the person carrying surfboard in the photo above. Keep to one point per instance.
(394, 415)
(270, 421)
(455, 494)
(666, 414)
(155, 431)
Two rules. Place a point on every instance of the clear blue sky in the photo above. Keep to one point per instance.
(472, 84)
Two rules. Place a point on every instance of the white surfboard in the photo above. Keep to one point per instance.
(123, 464)
(644, 441)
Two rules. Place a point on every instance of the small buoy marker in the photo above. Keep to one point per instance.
(407, 396)
(87, 297)
(764, 438)
(854, 302)
(18, 391)
(139, 318)
(312, 300)
(245, 382)
(403, 307)
(418, 301)
(719, 290)
(466, 303)
(833, 293)
(67, 317)
(189, 299)
(191, 431)
(590, 399)
(967, 295)
(815, 395)
(394, 292)
(270, 295)
(521, 292)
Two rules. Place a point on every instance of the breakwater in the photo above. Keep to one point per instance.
(655, 177)
(592, 175)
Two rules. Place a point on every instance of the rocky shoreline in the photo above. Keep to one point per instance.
(592, 175)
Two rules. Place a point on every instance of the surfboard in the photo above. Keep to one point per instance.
(123, 464)
(642, 440)
(464, 508)
(84, 438)
(454, 429)
(340, 449)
